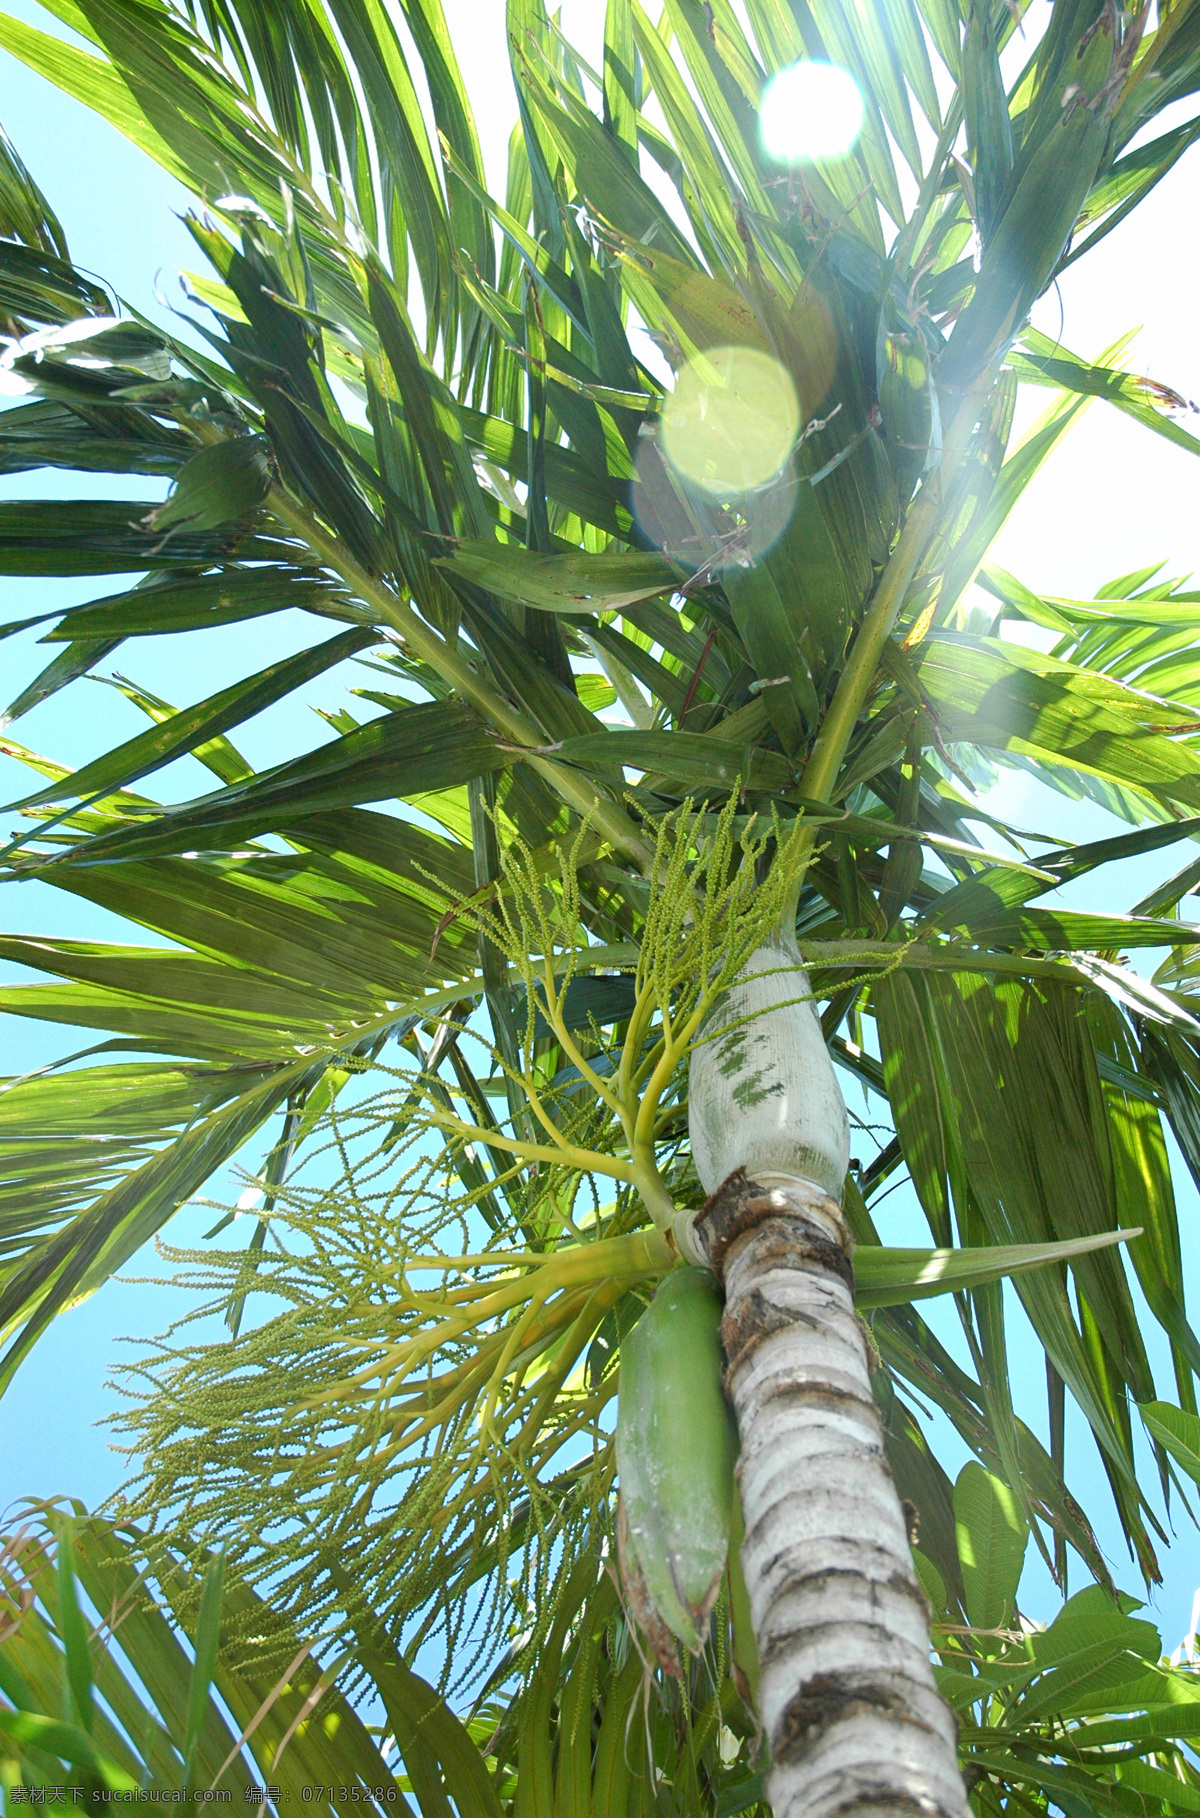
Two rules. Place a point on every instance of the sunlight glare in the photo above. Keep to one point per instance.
(705, 533)
(812, 110)
(731, 421)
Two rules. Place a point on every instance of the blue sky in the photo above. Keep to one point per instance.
(1113, 499)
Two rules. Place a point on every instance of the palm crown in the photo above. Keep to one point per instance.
(417, 411)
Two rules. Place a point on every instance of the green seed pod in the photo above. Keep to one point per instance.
(675, 1453)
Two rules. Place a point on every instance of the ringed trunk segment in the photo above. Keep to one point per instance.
(846, 1691)
(847, 1696)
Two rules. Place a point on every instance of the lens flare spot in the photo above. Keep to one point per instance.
(812, 110)
(706, 534)
(731, 421)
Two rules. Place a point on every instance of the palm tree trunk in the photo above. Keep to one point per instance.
(846, 1692)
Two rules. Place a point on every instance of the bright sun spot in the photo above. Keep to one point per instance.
(812, 110)
(731, 421)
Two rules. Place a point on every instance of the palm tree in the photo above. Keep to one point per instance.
(420, 412)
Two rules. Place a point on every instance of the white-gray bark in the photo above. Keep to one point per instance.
(847, 1696)
(762, 1088)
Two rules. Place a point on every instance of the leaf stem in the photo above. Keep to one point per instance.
(858, 677)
